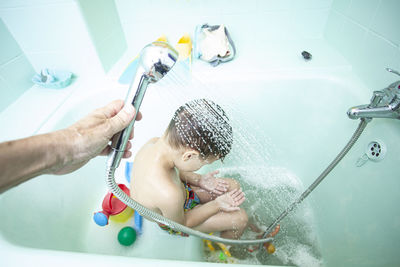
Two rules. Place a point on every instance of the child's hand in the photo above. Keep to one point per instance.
(212, 184)
(230, 201)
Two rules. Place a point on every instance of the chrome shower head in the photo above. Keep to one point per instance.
(155, 61)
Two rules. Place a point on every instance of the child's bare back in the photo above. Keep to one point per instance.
(164, 178)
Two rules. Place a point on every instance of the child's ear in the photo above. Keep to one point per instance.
(190, 155)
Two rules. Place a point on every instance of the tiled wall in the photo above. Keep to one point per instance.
(15, 70)
(105, 29)
(81, 36)
(250, 21)
(367, 33)
(52, 34)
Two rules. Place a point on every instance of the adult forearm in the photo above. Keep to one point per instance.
(23, 159)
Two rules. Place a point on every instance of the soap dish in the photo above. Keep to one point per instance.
(53, 79)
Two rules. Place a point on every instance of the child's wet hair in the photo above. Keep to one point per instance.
(203, 126)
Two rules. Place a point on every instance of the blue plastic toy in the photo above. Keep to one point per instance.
(52, 78)
(137, 217)
(113, 208)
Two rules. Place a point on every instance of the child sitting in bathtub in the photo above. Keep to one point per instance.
(164, 179)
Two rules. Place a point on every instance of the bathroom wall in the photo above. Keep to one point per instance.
(15, 70)
(84, 37)
(105, 30)
(250, 22)
(367, 33)
(52, 34)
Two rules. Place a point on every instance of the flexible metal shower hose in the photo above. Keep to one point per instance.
(161, 219)
(339, 157)
(179, 227)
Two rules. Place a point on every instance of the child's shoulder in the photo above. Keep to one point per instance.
(169, 189)
(153, 140)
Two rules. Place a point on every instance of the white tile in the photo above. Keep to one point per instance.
(272, 5)
(341, 6)
(363, 11)
(9, 47)
(351, 40)
(236, 7)
(387, 20)
(375, 56)
(5, 98)
(311, 4)
(46, 27)
(25, 3)
(334, 27)
(53, 36)
(18, 74)
(277, 25)
(310, 23)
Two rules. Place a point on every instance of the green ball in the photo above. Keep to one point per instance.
(127, 236)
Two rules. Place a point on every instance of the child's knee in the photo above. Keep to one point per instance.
(241, 219)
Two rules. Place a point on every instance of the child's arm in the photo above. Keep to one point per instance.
(228, 202)
(190, 178)
(207, 181)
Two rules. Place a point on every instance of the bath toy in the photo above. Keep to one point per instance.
(213, 44)
(223, 255)
(113, 209)
(127, 236)
(138, 219)
(184, 48)
(128, 169)
(138, 223)
(130, 70)
(209, 245)
(269, 247)
(53, 79)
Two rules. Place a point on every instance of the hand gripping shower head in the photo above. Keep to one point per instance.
(155, 60)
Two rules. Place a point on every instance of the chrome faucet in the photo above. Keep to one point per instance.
(384, 103)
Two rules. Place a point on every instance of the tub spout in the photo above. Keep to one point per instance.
(384, 104)
(364, 111)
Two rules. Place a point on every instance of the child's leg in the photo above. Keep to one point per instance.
(206, 196)
(230, 224)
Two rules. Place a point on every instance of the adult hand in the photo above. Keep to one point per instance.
(231, 201)
(91, 136)
(213, 184)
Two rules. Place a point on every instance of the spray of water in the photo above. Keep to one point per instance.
(268, 188)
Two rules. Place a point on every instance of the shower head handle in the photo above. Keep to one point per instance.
(155, 61)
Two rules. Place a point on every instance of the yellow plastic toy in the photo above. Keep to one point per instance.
(113, 209)
(184, 48)
(224, 255)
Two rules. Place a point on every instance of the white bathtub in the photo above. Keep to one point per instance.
(301, 113)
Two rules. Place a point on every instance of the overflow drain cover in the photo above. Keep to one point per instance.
(375, 151)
